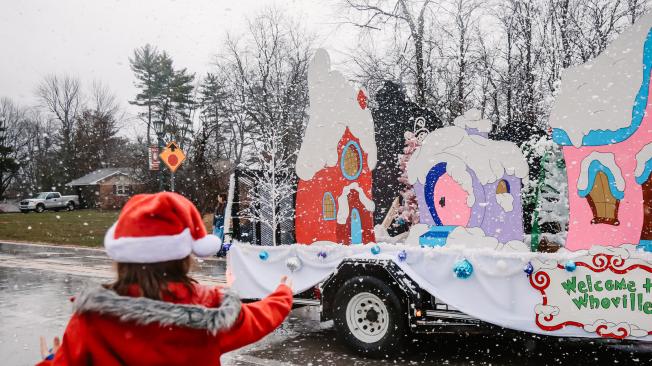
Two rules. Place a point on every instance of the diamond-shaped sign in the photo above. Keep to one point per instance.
(173, 156)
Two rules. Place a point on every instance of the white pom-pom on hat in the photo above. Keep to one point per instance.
(206, 246)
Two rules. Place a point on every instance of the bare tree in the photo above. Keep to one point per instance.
(399, 14)
(61, 96)
(266, 71)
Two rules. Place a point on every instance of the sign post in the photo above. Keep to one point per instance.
(172, 156)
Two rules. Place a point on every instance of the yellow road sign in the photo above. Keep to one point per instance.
(173, 156)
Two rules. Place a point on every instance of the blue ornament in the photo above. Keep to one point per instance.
(263, 255)
(570, 266)
(529, 269)
(402, 256)
(463, 269)
(375, 249)
(322, 255)
(226, 247)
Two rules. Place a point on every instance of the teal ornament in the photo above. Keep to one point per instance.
(375, 250)
(529, 269)
(263, 255)
(570, 266)
(402, 255)
(463, 269)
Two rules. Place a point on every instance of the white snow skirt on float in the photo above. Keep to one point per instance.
(602, 292)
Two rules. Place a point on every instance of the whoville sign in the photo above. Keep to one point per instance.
(606, 291)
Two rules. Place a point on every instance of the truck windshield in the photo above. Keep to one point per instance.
(41, 195)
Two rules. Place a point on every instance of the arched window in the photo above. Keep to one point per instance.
(603, 203)
(502, 187)
(351, 162)
(329, 211)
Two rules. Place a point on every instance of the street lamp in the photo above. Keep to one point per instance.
(159, 128)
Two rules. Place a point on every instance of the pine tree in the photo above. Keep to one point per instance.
(553, 197)
(8, 165)
(146, 65)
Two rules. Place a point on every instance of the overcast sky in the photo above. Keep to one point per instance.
(92, 39)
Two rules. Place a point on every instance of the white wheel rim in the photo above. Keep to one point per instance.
(367, 317)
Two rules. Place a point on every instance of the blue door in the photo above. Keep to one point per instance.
(356, 227)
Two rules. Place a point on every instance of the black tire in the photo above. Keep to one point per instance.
(70, 206)
(392, 336)
(40, 208)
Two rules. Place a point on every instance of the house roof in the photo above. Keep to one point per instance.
(603, 101)
(96, 176)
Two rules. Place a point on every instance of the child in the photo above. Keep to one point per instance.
(154, 313)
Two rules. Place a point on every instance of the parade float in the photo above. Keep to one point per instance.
(467, 260)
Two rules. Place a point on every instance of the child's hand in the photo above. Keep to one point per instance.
(286, 281)
(45, 354)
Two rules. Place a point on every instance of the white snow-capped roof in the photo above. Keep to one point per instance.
(490, 160)
(473, 119)
(333, 108)
(642, 157)
(608, 160)
(600, 94)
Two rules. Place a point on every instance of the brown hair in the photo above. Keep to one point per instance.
(152, 278)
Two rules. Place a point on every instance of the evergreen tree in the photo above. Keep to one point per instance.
(146, 65)
(553, 197)
(8, 165)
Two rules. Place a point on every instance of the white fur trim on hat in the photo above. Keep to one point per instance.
(151, 249)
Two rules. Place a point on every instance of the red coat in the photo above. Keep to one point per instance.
(189, 328)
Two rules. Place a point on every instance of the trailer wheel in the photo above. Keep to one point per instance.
(369, 316)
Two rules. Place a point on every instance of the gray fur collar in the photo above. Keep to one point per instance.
(146, 311)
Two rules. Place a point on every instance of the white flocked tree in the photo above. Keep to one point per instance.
(270, 198)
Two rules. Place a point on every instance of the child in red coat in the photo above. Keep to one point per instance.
(154, 313)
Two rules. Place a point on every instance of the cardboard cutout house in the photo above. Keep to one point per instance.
(335, 162)
(602, 119)
(463, 179)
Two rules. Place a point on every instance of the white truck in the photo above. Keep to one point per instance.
(49, 201)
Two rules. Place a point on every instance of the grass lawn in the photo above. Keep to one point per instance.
(81, 227)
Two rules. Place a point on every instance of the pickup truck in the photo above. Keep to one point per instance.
(49, 201)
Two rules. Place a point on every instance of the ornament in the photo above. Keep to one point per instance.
(375, 250)
(463, 269)
(263, 255)
(570, 266)
(402, 255)
(293, 264)
(322, 255)
(226, 247)
(529, 269)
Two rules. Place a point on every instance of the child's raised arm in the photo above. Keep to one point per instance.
(259, 318)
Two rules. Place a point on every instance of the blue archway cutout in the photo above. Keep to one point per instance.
(594, 168)
(646, 172)
(429, 190)
(608, 137)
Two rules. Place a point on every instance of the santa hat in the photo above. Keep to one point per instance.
(158, 228)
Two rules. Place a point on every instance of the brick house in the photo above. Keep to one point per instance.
(107, 188)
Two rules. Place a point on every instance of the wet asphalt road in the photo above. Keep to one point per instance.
(36, 283)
